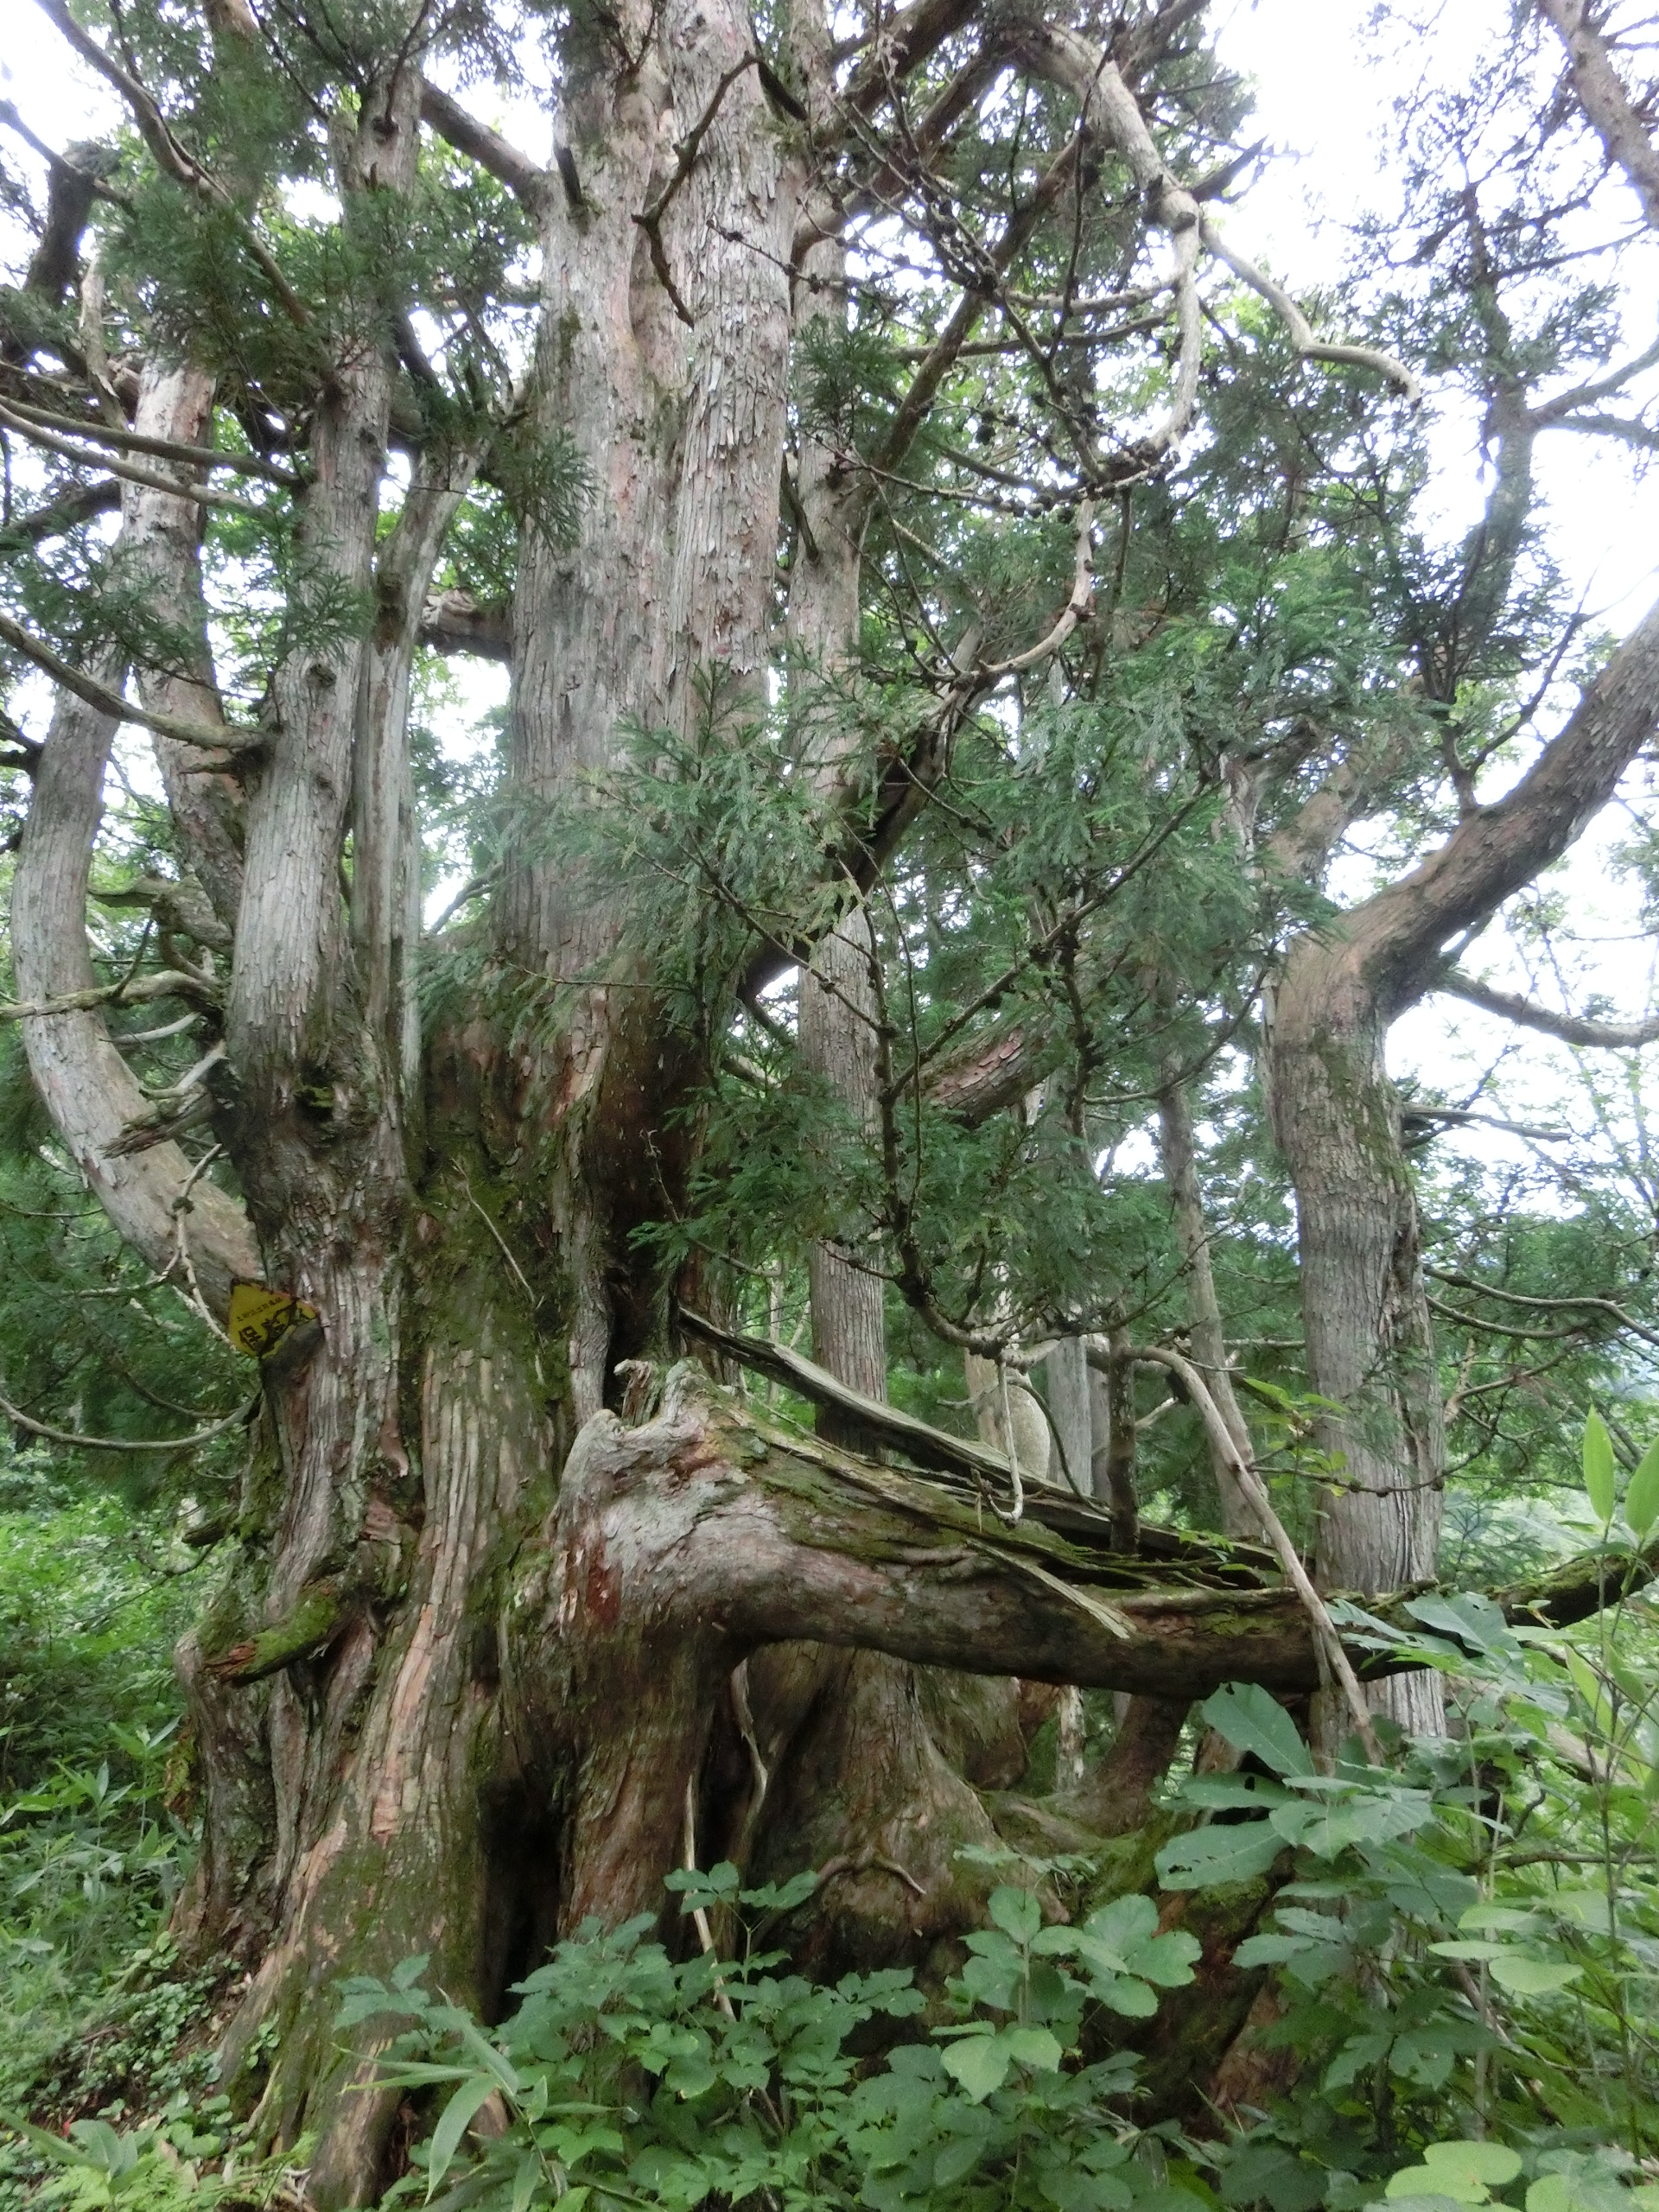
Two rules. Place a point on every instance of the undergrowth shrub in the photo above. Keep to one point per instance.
(95, 1833)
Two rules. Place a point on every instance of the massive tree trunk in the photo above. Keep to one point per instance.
(472, 1323)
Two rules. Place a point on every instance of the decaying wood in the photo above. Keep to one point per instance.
(713, 1529)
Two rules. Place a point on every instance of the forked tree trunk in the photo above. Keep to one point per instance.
(470, 1325)
(1369, 1335)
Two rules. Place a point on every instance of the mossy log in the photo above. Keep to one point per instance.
(713, 1530)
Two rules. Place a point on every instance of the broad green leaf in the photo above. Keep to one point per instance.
(1499, 1920)
(1268, 1950)
(113, 2153)
(953, 2162)
(782, 1896)
(1598, 1484)
(1171, 2197)
(1253, 1720)
(1641, 1499)
(1124, 1994)
(1232, 1793)
(53, 2146)
(1207, 1856)
(690, 2077)
(1525, 1977)
(1016, 1913)
(1554, 2193)
(1414, 2182)
(1034, 2047)
(1584, 1908)
(1473, 1620)
(1358, 2054)
(458, 2116)
(1271, 2173)
(980, 2063)
(1493, 2164)
(1167, 1960)
(1371, 1817)
(1124, 1924)
(1587, 1682)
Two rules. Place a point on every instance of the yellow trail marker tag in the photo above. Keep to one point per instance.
(260, 1318)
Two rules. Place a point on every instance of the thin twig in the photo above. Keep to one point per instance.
(225, 737)
(121, 1443)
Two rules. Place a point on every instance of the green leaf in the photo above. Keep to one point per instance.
(1359, 2052)
(1270, 1950)
(954, 2162)
(980, 2063)
(53, 2146)
(529, 2173)
(1135, 2000)
(458, 2116)
(1016, 1913)
(1208, 1856)
(1270, 2173)
(1553, 2193)
(1493, 2166)
(1253, 1720)
(1168, 1959)
(485, 2052)
(112, 2154)
(1588, 1684)
(1525, 1977)
(1499, 1920)
(1599, 1486)
(690, 2077)
(1232, 1793)
(1034, 2047)
(1413, 2182)
(1641, 1499)
(1124, 1923)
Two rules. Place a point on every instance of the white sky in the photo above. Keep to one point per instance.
(1324, 109)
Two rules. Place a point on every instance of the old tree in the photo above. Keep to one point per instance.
(956, 604)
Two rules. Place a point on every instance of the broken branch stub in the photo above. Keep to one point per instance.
(677, 1548)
